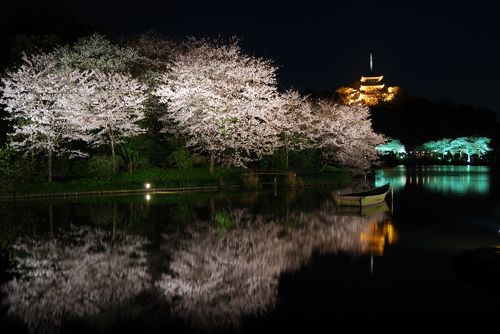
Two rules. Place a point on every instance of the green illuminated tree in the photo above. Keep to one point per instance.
(470, 146)
(441, 146)
(391, 146)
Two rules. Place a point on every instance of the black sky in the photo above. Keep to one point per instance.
(438, 49)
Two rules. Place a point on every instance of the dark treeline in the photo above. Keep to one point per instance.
(415, 120)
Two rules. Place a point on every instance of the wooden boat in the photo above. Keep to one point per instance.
(365, 198)
(363, 211)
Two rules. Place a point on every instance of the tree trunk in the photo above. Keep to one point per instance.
(212, 164)
(286, 156)
(287, 149)
(113, 155)
(50, 165)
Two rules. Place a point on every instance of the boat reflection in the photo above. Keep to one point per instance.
(219, 276)
(381, 231)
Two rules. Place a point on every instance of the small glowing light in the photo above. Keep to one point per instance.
(148, 197)
(147, 185)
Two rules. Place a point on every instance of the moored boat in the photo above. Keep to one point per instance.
(365, 198)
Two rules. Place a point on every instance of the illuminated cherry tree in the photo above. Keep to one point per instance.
(47, 105)
(222, 102)
(470, 146)
(96, 52)
(155, 56)
(82, 274)
(393, 146)
(345, 134)
(115, 109)
(442, 146)
(295, 120)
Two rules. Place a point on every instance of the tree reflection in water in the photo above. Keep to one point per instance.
(230, 268)
(79, 275)
(218, 272)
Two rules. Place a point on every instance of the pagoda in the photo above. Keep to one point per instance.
(371, 82)
(370, 90)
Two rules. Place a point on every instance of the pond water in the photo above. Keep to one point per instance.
(241, 262)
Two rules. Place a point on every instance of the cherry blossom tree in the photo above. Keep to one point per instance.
(441, 146)
(345, 135)
(82, 274)
(96, 52)
(481, 146)
(117, 105)
(46, 104)
(222, 102)
(393, 146)
(470, 146)
(115, 109)
(295, 121)
(155, 56)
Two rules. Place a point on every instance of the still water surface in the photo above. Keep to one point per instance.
(246, 261)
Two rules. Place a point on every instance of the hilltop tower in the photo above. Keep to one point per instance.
(370, 90)
(371, 81)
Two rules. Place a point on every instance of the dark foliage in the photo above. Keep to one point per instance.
(415, 120)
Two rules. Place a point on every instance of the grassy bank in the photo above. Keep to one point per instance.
(170, 178)
(158, 178)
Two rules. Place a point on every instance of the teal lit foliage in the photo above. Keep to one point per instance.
(392, 146)
(441, 146)
(464, 146)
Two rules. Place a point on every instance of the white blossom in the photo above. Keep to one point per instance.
(115, 109)
(96, 52)
(47, 105)
(345, 135)
(295, 122)
(222, 102)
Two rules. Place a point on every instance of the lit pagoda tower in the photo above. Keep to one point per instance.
(371, 82)
(370, 90)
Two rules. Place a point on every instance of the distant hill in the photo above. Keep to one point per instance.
(415, 120)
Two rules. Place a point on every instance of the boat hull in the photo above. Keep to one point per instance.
(362, 200)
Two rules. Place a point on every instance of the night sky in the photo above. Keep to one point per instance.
(441, 50)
